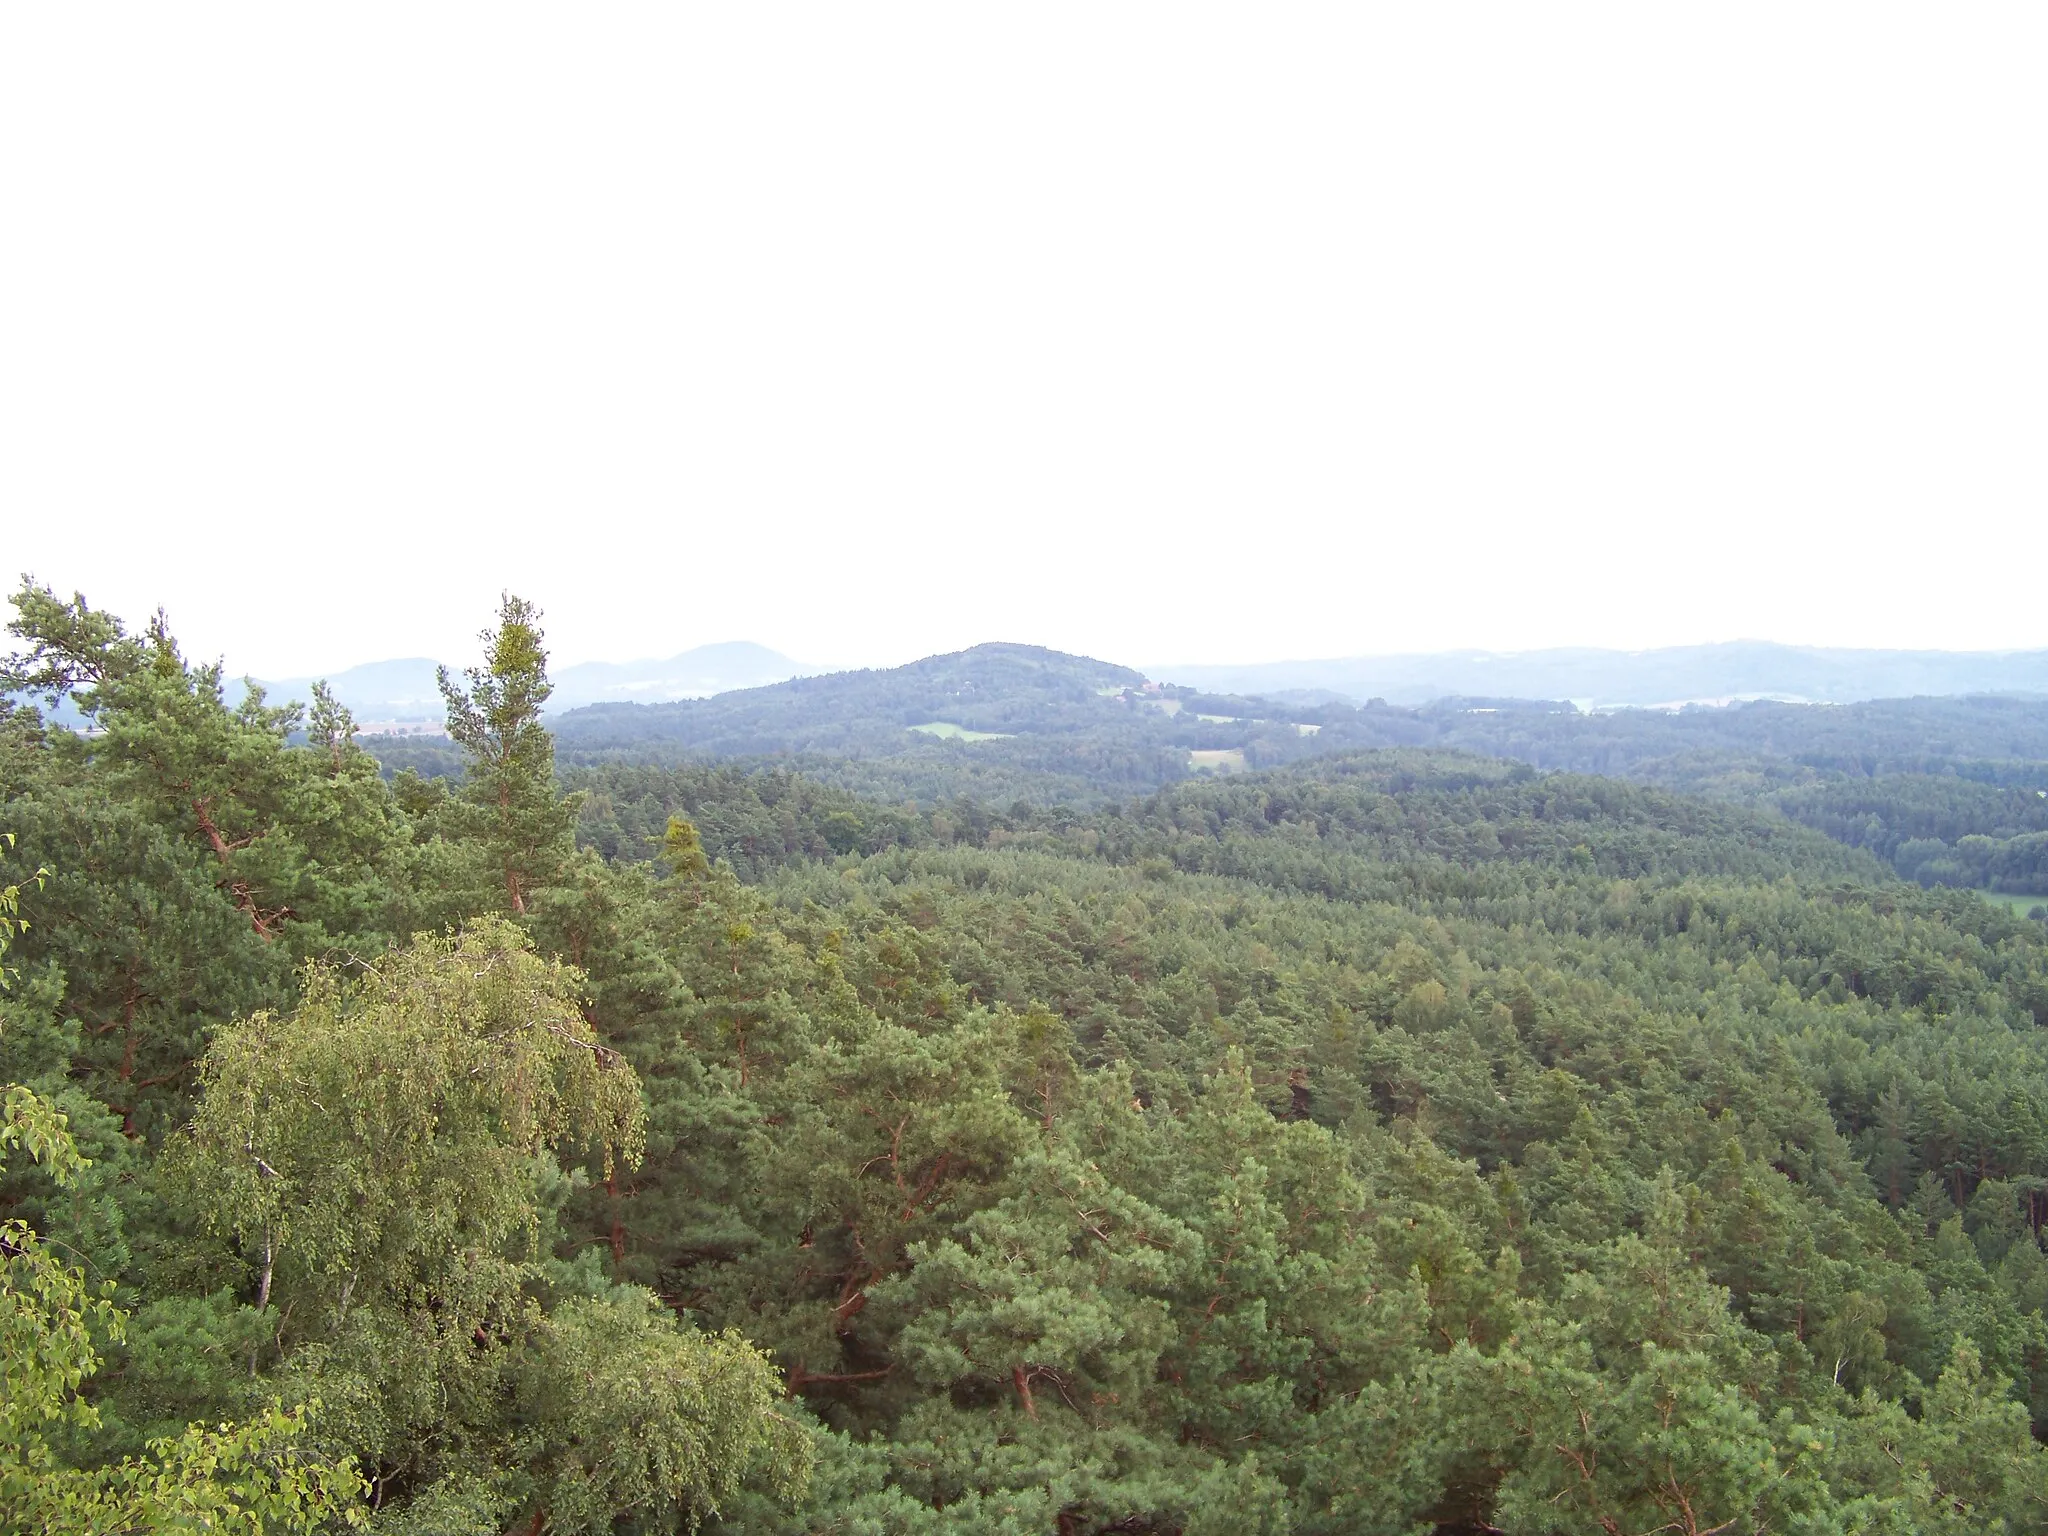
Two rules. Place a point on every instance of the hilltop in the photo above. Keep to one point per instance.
(1001, 720)
(990, 689)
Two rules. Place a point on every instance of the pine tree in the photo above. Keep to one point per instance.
(243, 1478)
(518, 815)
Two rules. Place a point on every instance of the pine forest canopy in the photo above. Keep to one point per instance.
(754, 1116)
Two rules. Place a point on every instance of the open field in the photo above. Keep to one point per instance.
(948, 731)
(2021, 904)
(1225, 760)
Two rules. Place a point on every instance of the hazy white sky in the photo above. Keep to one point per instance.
(1165, 333)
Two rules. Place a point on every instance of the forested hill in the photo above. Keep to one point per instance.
(994, 722)
(988, 689)
(996, 694)
(1951, 791)
(1395, 1142)
(996, 705)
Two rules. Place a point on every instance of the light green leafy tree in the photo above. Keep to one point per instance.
(383, 1157)
(12, 924)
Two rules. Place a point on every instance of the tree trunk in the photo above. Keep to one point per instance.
(238, 889)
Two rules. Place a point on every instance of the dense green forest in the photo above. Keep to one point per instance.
(1075, 722)
(1392, 1139)
(1949, 791)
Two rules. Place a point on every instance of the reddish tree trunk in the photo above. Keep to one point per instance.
(238, 889)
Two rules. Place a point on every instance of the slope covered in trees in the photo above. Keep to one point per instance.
(1952, 791)
(991, 688)
(1396, 1141)
(1036, 697)
(1037, 724)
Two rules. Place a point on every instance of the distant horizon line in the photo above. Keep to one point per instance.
(813, 668)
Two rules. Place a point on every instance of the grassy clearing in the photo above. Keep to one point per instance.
(948, 731)
(1223, 760)
(2021, 905)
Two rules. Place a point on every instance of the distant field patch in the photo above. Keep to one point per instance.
(1224, 760)
(948, 731)
(1218, 719)
(2021, 905)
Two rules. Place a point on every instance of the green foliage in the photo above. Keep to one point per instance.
(292, 837)
(755, 821)
(1078, 732)
(515, 813)
(380, 1157)
(1052, 729)
(1402, 1140)
(11, 923)
(645, 1418)
(250, 1477)
(197, 856)
(382, 1136)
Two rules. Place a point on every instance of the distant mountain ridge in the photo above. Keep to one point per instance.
(1672, 675)
(405, 689)
(696, 673)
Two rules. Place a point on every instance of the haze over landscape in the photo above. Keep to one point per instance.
(1080, 772)
(405, 691)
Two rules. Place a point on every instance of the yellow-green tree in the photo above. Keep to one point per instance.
(384, 1157)
(516, 812)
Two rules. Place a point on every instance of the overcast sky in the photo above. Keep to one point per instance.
(1166, 333)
